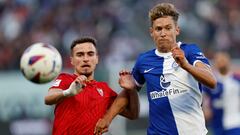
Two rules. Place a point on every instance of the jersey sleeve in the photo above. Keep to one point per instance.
(62, 82)
(194, 54)
(206, 90)
(137, 75)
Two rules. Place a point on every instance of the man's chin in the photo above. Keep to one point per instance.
(87, 74)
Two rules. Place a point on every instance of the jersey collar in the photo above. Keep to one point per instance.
(166, 55)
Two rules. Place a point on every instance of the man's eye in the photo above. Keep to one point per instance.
(158, 28)
(79, 54)
(91, 53)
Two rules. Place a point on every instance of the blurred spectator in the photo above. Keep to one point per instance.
(120, 26)
(222, 105)
(31, 127)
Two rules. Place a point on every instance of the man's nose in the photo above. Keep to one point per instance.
(85, 58)
(163, 33)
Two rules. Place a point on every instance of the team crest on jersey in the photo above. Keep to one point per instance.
(163, 83)
(175, 65)
(165, 91)
(100, 91)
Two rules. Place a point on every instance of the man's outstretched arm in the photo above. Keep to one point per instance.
(126, 103)
(55, 95)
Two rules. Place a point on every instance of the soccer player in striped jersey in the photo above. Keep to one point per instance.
(223, 108)
(80, 100)
(173, 73)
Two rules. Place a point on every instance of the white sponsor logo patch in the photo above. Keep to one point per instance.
(165, 93)
(200, 55)
(57, 83)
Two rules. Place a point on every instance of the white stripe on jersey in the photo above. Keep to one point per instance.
(231, 102)
(188, 88)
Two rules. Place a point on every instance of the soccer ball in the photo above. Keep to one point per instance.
(41, 63)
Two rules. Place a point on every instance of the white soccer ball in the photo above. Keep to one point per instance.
(41, 63)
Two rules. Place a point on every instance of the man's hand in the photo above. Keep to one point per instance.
(179, 56)
(101, 127)
(126, 80)
(76, 86)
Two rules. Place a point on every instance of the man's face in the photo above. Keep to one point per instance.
(221, 62)
(84, 58)
(164, 32)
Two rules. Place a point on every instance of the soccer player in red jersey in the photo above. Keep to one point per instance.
(80, 100)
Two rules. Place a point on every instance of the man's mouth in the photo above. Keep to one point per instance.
(83, 66)
(163, 40)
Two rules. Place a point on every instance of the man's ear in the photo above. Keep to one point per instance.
(97, 59)
(177, 30)
(71, 60)
(151, 31)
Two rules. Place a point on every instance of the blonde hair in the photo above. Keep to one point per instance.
(163, 9)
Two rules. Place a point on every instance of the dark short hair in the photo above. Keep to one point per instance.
(83, 40)
(163, 9)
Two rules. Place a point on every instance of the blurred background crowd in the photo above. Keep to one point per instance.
(121, 28)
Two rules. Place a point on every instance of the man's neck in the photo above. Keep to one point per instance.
(167, 50)
(89, 77)
(163, 50)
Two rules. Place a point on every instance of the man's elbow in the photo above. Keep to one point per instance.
(47, 101)
(212, 84)
(134, 116)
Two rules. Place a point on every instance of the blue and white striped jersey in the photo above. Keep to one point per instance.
(174, 96)
(225, 105)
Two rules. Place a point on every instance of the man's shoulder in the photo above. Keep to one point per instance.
(235, 80)
(236, 76)
(102, 84)
(63, 78)
(146, 54)
(190, 49)
(66, 75)
(186, 46)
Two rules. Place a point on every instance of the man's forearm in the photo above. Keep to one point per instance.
(126, 104)
(118, 106)
(132, 110)
(54, 97)
(202, 74)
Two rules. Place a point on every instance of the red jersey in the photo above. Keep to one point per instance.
(78, 115)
